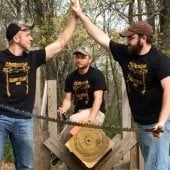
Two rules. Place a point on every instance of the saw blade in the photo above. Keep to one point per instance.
(67, 121)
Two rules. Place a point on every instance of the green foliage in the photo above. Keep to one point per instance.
(8, 153)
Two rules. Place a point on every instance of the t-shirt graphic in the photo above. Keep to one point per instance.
(16, 74)
(136, 76)
(80, 89)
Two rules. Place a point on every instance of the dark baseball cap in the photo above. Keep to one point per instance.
(140, 27)
(15, 27)
(83, 50)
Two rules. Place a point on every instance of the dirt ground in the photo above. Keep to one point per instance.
(6, 166)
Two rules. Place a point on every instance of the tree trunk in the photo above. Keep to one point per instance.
(165, 25)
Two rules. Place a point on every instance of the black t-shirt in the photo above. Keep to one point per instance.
(142, 75)
(18, 80)
(83, 87)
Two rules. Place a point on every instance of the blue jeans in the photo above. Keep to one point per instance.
(154, 150)
(20, 132)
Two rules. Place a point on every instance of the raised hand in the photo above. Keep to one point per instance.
(75, 5)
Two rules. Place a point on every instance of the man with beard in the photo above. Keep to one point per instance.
(147, 76)
(85, 86)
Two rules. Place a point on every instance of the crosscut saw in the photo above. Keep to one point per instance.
(64, 120)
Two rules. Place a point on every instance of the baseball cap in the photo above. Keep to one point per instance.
(15, 27)
(83, 50)
(140, 27)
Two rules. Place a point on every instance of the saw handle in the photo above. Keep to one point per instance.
(159, 130)
(61, 116)
(64, 116)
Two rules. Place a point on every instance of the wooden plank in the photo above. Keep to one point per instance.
(63, 154)
(44, 101)
(118, 151)
(116, 138)
(41, 154)
(141, 160)
(131, 158)
(36, 126)
(134, 157)
(126, 120)
(52, 107)
(37, 104)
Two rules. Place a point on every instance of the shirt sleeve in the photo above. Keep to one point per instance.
(162, 66)
(119, 51)
(98, 80)
(68, 87)
(38, 57)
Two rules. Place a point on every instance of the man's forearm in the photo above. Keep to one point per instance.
(66, 105)
(97, 34)
(98, 97)
(62, 39)
(66, 35)
(165, 110)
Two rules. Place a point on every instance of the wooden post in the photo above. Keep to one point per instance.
(126, 120)
(52, 107)
(41, 155)
(133, 156)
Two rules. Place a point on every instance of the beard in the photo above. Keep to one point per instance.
(135, 49)
(80, 67)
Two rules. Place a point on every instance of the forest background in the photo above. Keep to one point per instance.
(112, 16)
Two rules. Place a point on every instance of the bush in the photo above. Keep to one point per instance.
(8, 153)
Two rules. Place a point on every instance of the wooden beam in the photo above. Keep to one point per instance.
(126, 120)
(119, 149)
(63, 154)
(44, 101)
(41, 154)
(52, 107)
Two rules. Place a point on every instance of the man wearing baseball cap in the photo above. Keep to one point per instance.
(15, 27)
(85, 86)
(146, 71)
(18, 65)
(141, 28)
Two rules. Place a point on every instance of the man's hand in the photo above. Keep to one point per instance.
(157, 130)
(88, 120)
(75, 5)
(61, 110)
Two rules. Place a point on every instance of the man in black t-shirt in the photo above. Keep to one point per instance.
(147, 76)
(18, 65)
(85, 86)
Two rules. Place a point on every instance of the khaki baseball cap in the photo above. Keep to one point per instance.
(83, 50)
(140, 27)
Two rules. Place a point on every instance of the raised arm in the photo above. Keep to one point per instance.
(62, 39)
(97, 34)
